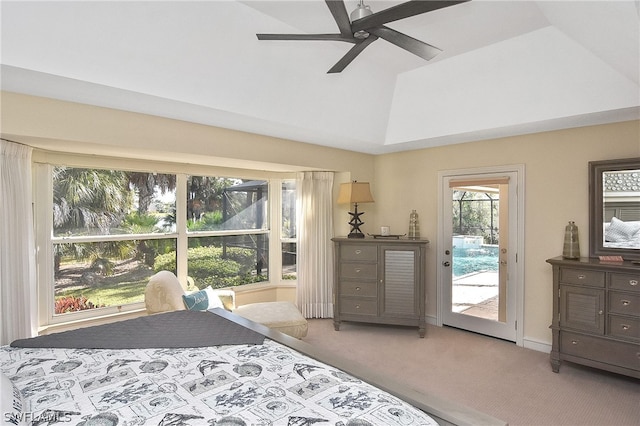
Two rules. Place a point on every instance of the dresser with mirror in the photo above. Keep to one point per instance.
(596, 299)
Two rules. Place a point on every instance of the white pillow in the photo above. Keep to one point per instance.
(619, 231)
(12, 405)
(214, 300)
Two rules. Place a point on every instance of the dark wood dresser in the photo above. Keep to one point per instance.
(380, 281)
(596, 314)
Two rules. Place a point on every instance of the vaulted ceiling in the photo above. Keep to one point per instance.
(506, 67)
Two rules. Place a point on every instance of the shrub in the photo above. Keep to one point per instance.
(73, 304)
(207, 266)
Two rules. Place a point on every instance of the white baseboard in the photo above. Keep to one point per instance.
(528, 343)
(536, 345)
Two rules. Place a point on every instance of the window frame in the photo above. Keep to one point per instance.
(43, 206)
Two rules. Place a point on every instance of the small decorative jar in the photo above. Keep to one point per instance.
(414, 227)
(571, 249)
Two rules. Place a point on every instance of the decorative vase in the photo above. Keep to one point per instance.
(414, 227)
(571, 249)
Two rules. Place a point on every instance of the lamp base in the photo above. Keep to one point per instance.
(355, 223)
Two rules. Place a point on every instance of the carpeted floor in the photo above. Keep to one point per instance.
(490, 375)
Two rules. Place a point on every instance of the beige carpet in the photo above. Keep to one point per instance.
(490, 375)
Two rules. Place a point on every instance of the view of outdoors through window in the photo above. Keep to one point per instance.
(289, 230)
(227, 204)
(112, 230)
(103, 244)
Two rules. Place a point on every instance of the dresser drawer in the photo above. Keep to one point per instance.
(628, 282)
(362, 289)
(582, 276)
(358, 306)
(359, 270)
(359, 252)
(624, 303)
(602, 350)
(625, 327)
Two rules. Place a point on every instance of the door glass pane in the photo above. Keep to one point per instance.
(475, 257)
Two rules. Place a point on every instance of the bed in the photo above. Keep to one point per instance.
(621, 234)
(202, 368)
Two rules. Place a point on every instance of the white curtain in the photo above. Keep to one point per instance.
(18, 304)
(314, 245)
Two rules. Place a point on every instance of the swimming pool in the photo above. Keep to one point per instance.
(468, 260)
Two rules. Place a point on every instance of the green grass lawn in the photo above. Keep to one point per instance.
(125, 285)
(114, 294)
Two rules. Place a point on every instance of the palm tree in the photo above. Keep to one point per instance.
(86, 201)
(89, 199)
(145, 184)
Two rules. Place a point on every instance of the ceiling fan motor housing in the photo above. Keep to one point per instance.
(359, 12)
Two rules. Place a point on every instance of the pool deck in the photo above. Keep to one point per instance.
(476, 294)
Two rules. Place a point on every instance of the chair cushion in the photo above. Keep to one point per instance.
(281, 316)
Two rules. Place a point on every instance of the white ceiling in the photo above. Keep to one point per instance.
(507, 67)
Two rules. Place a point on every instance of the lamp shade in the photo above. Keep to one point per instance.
(354, 192)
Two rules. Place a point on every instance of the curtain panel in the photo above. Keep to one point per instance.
(315, 249)
(18, 304)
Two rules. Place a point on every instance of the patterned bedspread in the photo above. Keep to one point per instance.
(268, 384)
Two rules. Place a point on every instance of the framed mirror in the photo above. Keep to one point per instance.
(614, 208)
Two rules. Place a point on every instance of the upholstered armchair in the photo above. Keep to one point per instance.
(163, 293)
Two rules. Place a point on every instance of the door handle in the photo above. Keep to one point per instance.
(446, 263)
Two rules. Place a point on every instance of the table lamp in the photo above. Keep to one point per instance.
(355, 192)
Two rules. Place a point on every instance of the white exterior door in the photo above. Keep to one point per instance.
(479, 277)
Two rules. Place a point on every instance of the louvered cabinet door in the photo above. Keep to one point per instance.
(399, 277)
(402, 285)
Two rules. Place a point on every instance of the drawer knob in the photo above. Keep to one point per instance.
(357, 306)
(626, 327)
(358, 251)
(600, 312)
(357, 270)
(357, 288)
(574, 342)
(626, 302)
(582, 277)
(633, 282)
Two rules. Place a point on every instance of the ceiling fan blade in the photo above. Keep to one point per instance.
(401, 11)
(417, 47)
(339, 12)
(351, 54)
(330, 37)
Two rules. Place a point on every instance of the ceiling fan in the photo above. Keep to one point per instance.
(363, 27)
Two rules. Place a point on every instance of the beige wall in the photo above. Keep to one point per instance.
(555, 166)
(556, 189)
(69, 127)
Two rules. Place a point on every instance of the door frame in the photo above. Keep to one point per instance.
(519, 170)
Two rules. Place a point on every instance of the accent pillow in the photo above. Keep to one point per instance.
(202, 300)
(619, 231)
(11, 404)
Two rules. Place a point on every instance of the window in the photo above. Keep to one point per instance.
(108, 228)
(227, 222)
(102, 233)
(289, 234)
